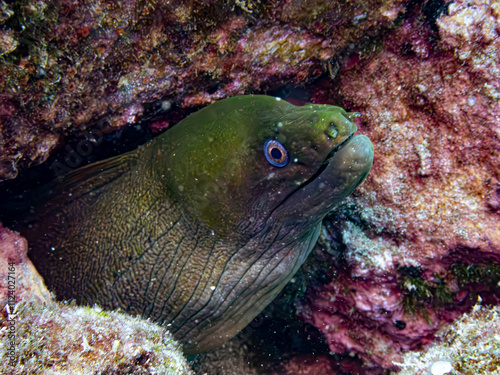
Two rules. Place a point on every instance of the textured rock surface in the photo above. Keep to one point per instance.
(422, 235)
(67, 66)
(470, 346)
(55, 339)
(40, 336)
(19, 279)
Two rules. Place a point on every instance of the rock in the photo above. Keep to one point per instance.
(20, 280)
(40, 336)
(469, 346)
(70, 67)
(421, 237)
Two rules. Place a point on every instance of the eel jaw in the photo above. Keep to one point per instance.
(323, 165)
(326, 162)
(345, 167)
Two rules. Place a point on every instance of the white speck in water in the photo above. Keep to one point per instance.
(321, 185)
(212, 287)
(280, 124)
(296, 160)
(195, 179)
(212, 233)
(358, 18)
(166, 105)
(52, 248)
(441, 368)
(471, 101)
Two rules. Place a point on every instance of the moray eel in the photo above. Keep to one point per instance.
(201, 227)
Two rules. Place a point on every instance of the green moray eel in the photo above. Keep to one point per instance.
(201, 227)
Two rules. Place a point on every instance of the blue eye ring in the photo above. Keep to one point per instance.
(275, 153)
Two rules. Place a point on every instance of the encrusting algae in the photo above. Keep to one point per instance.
(470, 346)
(55, 338)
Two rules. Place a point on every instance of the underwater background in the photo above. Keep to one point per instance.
(398, 263)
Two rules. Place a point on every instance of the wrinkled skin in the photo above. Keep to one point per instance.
(197, 228)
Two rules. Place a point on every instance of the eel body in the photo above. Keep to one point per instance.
(203, 226)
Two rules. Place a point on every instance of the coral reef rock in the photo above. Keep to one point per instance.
(68, 66)
(421, 237)
(58, 339)
(20, 280)
(40, 336)
(470, 346)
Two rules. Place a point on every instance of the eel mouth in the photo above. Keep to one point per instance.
(324, 164)
(344, 168)
(337, 148)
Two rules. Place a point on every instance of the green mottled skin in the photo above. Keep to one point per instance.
(196, 228)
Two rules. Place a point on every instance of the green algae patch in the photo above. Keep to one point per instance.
(487, 274)
(421, 293)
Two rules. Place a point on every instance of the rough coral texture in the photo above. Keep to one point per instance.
(19, 279)
(471, 345)
(58, 339)
(425, 224)
(40, 336)
(67, 65)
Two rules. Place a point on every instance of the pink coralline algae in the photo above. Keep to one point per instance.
(17, 271)
(422, 235)
(70, 65)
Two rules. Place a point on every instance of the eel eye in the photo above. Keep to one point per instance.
(276, 153)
